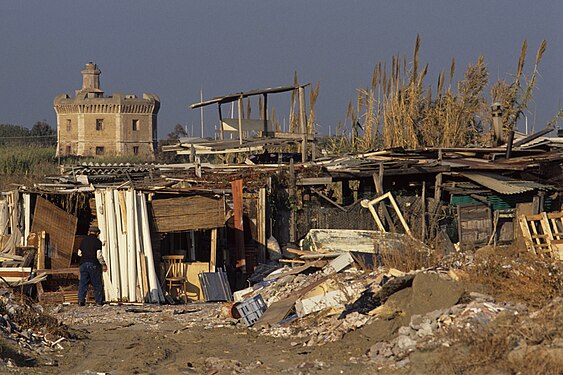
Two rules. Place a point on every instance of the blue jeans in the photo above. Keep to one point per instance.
(90, 273)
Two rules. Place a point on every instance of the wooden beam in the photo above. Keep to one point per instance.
(213, 255)
(240, 120)
(303, 124)
(423, 219)
(41, 249)
(329, 200)
(236, 186)
(220, 122)
(265, 115)
(261, 225)
(314, 181)
(378, 181)
(293, 200)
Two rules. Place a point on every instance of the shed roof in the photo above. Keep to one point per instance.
(504, 185)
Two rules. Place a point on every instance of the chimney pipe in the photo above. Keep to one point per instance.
(496, 110)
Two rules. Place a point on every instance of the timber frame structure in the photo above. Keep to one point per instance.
(268, 137)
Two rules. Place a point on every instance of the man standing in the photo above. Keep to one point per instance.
(91, 266)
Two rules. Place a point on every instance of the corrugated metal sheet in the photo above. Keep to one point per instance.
(504, 185)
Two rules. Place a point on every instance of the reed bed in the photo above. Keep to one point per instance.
(397, 109)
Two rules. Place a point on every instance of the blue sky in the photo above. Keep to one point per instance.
(177, 48)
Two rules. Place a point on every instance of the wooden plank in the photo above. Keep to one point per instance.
(213, 255)
(238, 207)
(188, 213)
(144, 275)
(303, 123)
(60, 271)
(61, 227)
(306, 181)
(298, 261)
(262, 208)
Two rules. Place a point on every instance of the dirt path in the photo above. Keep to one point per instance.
(187, 340)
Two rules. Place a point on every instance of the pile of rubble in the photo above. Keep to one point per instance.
(424, 310)
(28, 332)
(429, 331)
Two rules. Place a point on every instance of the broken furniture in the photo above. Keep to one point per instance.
(370, 205)
(176, 274)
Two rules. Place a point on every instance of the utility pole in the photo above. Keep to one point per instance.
(201, 110)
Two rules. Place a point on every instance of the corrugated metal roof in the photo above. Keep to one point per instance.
(504, 185)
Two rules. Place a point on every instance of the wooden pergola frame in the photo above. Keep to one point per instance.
(264, 92)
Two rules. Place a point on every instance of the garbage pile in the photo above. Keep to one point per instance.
(27, 330)
(315, 304)
(426, 310)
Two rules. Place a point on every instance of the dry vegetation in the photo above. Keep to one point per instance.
(513, 274)
(412, 254)
(512, 344)
(398, 110)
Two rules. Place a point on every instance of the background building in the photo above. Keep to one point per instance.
(91, 124)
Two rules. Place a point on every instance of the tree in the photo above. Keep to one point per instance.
(178, 132)
(42, 129)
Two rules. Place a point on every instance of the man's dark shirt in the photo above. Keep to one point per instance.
(89, 247)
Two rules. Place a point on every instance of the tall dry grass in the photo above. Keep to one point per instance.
(398, 110)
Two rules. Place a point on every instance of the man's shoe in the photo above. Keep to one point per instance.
(81, 303)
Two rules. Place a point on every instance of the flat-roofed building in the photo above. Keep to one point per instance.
(91, 124)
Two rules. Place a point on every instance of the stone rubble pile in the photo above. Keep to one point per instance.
(429, 331)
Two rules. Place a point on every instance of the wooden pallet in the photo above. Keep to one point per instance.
(543, 233)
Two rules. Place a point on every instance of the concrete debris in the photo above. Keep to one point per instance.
(427, 331)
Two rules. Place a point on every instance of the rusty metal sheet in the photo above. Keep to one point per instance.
(61, 228)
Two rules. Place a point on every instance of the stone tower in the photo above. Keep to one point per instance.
(91, 79)
(91, 124)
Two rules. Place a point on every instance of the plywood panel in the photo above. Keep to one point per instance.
(194, 291)
(60, 226)
(188, 213)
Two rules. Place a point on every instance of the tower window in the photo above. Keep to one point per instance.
(99, 150)
(135, 150)
(99, 124)
(68, 125)
(68, 150)
(135, 125)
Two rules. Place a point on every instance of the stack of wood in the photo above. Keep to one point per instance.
(17, 269)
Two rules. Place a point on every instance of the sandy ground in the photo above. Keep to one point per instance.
(190, 339)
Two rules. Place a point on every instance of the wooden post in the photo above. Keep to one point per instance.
(236, 186)
(240, 119)
(423, 220)
(378, 182)
(438, 188)
(261, 225)
(292, 200)
(41, 247)
(303, 124)
(213, 255)
(265, 116)
(220, 121)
